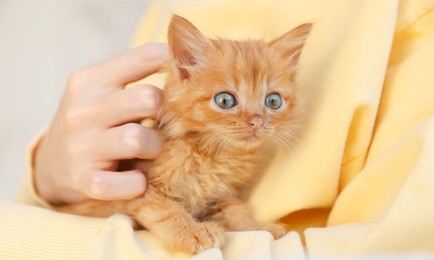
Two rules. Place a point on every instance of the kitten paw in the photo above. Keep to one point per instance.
(203, 236)
(277, 230)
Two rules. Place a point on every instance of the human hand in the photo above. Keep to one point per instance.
(96, 126)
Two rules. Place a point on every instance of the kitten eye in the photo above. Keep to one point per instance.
(225, 100)
(273, 101)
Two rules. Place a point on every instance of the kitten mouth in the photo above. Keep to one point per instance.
(250, 139)
(253, 137)
(257, 134)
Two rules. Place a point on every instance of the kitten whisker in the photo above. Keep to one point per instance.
(212, 143)
(284, 145)
(223, 139)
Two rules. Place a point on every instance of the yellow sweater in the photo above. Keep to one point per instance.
(361, 181)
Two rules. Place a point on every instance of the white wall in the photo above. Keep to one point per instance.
(41, 43)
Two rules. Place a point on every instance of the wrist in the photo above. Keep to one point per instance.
(42, 184)
(47, 180)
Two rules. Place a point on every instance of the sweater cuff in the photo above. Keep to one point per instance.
(44, 234)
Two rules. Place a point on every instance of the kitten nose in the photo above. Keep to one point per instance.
(256, 122)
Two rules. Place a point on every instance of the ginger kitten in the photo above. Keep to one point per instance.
(223, 101)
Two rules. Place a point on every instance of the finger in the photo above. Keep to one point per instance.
(106, 185)
(128, 141)
(131, 66)
(128, 105)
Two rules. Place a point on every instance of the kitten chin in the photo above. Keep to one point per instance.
(247, 143)
(223, 100)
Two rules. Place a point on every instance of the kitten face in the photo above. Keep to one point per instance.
(231, 93)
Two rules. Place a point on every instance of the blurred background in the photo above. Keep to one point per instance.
(41, 43)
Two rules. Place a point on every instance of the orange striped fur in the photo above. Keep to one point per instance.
(194, 187)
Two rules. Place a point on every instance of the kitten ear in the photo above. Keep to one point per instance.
(292, 42)
(186, 44)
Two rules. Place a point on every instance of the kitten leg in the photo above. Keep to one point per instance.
(94, 208)
(170, 222)
(236, 215)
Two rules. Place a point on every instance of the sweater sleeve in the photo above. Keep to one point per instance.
(30, 232)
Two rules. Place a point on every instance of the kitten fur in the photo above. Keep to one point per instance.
(193, 192)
